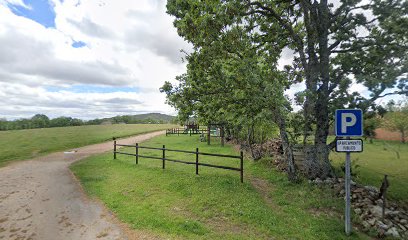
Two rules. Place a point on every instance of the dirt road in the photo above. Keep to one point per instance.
(40, 199)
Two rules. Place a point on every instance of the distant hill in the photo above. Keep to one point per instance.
(154, 116)
(139, 118)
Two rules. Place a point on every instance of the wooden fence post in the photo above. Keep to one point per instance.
(242, 167)
(208, 136)
(137, 153)
(164, 156)
(383, 192)
(114, 148)
(197, 161)
(222, 136)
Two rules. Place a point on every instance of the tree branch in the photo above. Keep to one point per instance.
(388, 94)
(283, 22)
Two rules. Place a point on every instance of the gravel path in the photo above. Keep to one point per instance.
(40, 199)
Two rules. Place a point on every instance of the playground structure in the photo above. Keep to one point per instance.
(192, 126)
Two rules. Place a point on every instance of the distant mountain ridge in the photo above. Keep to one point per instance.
(154, 116)
(139, 118)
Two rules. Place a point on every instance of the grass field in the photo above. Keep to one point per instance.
(175, 203)
(23, 144)
(377, 159)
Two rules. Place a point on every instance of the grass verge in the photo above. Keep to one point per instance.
(175, 203)
(379, 158)
(23, 144)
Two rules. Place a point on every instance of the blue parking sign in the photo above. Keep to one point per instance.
(349, 122)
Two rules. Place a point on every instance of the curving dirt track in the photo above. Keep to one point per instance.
(40, 199)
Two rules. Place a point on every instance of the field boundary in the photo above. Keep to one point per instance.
(183, 131)
(197, 153)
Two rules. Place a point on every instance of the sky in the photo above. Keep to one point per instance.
(92, 59)
(86, 59)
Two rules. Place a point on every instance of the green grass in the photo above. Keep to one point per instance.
(177, 204)
(23, 144)
(377, 159)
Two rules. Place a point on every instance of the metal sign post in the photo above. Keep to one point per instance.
(347, 222)
(349, 122)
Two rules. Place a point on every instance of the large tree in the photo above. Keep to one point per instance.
(234, 84)
(364, 42)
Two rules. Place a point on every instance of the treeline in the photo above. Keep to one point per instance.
(127, 119)
(39, 121)
(43, 121)
(234, 74)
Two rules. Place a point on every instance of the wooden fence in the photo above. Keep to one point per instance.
(179, 131)
(164, 159)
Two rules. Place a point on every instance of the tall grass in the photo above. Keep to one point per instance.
(23, 144)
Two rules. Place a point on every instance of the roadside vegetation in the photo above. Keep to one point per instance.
(175, 203)
(379, 158)
(234, 74)
(23, 144)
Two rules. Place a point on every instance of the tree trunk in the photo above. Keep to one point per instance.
(403, 136)
(317, 77)
(287, 148)
(322, 108)
(311, 69)
(250, 141)
(317, 72)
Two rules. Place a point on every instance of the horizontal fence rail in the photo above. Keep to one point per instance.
(186, 131)
(164, 159)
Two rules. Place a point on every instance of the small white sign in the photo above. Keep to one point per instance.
(355, 145)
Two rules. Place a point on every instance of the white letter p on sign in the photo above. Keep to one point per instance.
(347, 120)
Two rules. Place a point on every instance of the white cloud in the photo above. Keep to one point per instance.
(286, 58)
(15, 2)
(128, 43)
(80, 105)
(359, 88)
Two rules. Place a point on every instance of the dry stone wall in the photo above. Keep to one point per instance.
(368, 207)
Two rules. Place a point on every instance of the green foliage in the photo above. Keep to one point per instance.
(228, 80)
(296, 124)
(370, 125)
(23, 144)
(40, 121)
(397, 120)
(237, 45)
(65, 121)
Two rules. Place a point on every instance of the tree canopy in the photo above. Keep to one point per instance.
(397, 119)
(237, 45)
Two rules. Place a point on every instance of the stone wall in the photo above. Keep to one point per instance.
(368, 207)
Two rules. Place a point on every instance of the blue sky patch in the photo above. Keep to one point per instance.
(40, 11)
(92, 89)
(78, 44)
